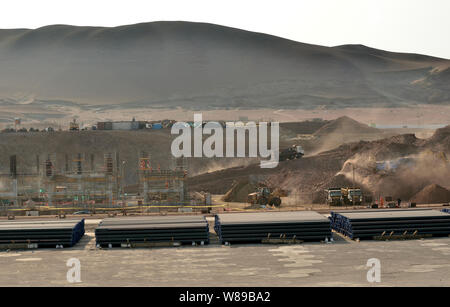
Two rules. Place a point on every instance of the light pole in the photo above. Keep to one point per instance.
(353, 174)
(122, 184)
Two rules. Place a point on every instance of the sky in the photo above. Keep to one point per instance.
(416, 26)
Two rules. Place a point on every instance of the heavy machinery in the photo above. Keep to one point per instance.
(291, 153)
(74, 126)
(334, 196)
(388, 202)
(352, 196)
(264, 196)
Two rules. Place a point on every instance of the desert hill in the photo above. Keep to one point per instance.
(199, 65)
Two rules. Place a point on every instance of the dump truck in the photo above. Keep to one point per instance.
(291, 153)
(264, 196)
(352, 196)
(334, 196)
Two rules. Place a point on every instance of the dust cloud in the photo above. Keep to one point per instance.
(406, 175)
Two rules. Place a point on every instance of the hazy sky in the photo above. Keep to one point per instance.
(419, 26)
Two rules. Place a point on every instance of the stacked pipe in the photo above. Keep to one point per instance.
(256, 227)
(42, 233)
(150, 229)
(367, 224)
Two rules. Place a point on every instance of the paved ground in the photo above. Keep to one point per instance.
(342, 263)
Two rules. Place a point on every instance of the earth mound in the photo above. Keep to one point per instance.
(239, 191)
(345, 124)
(432, 194)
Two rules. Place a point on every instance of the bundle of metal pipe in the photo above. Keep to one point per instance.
(262, 226)
(41, 233)
(368, 224)
(152, 229)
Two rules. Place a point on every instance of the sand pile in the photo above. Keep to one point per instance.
(239, 191)
(344, 125)
(432, 194)
(340, 131)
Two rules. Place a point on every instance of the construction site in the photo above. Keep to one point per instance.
(63, 184)
(335, 192)
(235, 144)
(322, 165)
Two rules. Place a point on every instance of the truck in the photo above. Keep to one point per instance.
(264, 196)
(291, 153)
(352, 196)
(334, 196)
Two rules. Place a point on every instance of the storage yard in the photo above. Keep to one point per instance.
(340, 263)
(40, 233)
(264, 226)
(148, 231)
(367, 224)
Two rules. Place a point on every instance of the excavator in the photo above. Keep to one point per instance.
(264, 196)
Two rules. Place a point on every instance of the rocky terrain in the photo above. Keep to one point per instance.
(412, 164)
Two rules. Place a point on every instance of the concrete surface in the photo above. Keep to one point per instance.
(342, 263)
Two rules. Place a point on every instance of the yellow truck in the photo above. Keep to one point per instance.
(352, 196)
(264, 196)
(334, 196)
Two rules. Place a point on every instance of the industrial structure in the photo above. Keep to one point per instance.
(161, 186)
(78, 181)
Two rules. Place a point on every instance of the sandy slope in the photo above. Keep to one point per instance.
(197, 65)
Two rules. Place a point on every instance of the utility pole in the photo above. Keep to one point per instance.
(353, 171)
(122, 184)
